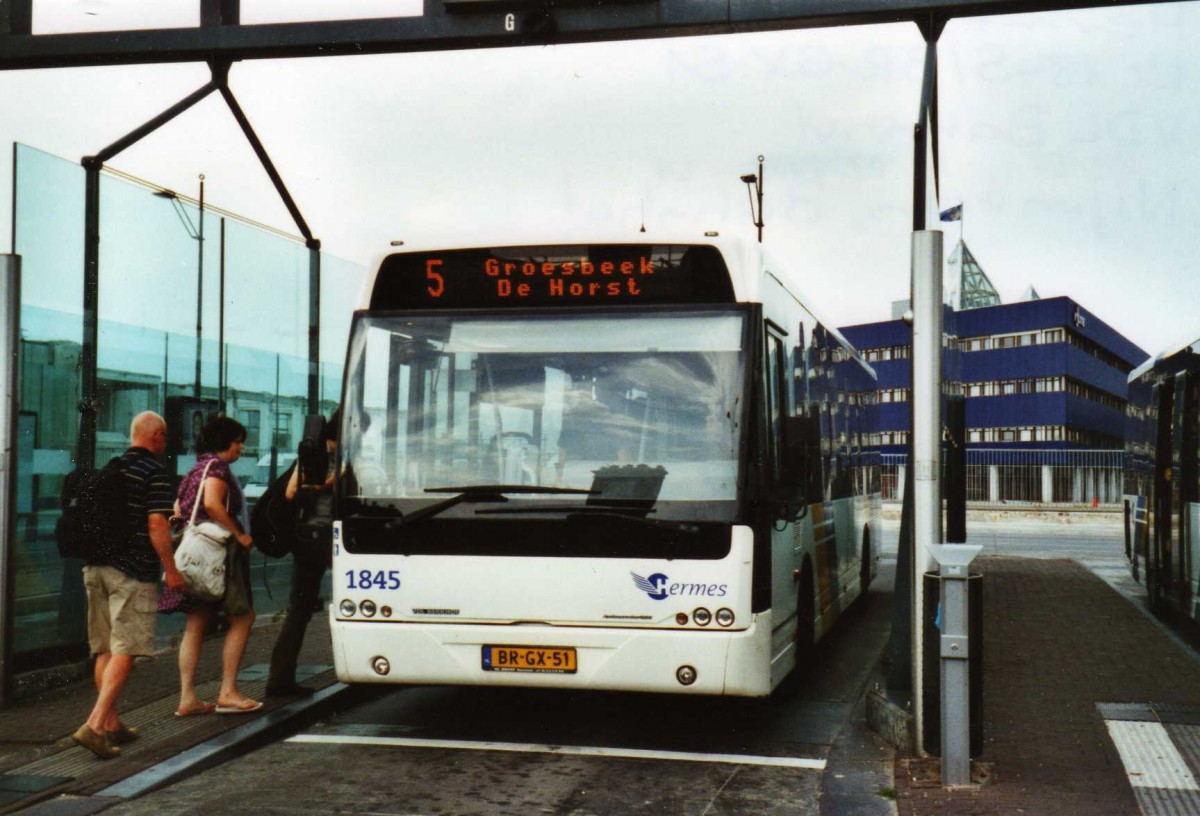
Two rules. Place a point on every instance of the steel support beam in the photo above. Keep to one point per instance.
(221, 78)
(88, 406)
(480, 26)
(85, 454)
(10, 408)
(314, 328)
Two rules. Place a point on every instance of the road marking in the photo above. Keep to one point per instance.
(1150, 757)
(569, 750)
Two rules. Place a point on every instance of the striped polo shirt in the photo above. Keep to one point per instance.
(149, 489)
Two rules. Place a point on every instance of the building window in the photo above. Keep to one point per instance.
(283, 431)
(253, 422)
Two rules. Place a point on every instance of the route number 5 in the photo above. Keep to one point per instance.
(437, 282)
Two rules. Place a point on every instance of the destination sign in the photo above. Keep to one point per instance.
(576, 275)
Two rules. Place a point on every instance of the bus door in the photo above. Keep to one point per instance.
(782, 535)
(1183, 485)
(1158, 566)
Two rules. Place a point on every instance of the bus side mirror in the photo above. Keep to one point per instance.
(311, 457)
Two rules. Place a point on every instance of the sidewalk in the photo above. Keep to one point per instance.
(1071, 669)
(38, 760)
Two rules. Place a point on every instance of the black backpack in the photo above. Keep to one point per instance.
(274, 519)
(95, 513)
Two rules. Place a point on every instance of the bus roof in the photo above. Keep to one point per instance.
(1189, 341)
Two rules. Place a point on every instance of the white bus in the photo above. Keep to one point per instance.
(630, 466)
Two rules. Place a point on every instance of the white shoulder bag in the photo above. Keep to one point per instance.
(200, 557)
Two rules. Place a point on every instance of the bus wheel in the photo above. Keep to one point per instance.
(864, 578)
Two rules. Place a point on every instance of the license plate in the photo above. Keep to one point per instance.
(542, 659)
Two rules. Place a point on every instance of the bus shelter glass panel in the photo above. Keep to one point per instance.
(159, 316)
(153, 283)
(266, 369)
(48, 209)
(266, 335)
(341, 281)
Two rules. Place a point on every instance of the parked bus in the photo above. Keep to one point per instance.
(626, 466)
(1162, 480)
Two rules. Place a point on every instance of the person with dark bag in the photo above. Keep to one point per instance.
(274, 520)
(121, 568)
(312, 554)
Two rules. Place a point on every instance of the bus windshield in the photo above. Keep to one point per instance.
(640, 407)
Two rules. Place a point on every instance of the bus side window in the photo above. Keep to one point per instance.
(1192, 424)
(776, 404)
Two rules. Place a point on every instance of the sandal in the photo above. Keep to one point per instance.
(199, 708)
(123, 734)
(244, 707)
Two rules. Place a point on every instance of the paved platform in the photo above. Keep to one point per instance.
(1090, 706)
(40, 763)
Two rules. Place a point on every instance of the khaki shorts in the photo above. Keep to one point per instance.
(122, 612)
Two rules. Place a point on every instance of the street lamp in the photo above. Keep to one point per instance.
(196, 234)
(754, 184)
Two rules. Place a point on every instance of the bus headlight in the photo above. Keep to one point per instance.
(681, 618)
(367, 608)
(386, 611)
(347, 608)
(702, 616)
(725, 616)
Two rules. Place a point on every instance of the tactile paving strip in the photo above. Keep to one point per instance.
(1160, 752)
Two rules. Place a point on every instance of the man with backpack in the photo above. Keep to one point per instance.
(123, 555)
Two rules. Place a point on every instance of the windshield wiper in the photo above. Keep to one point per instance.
(509, 488)
(636, 519)
(578, 513)
(580, 509)
(474, 493)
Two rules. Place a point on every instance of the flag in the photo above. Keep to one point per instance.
(952, 214)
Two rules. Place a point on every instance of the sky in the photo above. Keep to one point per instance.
(1067, 136)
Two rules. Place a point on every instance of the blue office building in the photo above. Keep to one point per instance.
(1044, 387)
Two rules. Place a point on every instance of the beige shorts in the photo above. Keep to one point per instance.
(122, 612)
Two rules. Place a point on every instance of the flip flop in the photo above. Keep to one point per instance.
(202, 708)
(241, 708)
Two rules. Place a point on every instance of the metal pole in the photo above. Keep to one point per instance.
(10, 406)
(221, 329)
(85, 452)
(199, 290)
(314, 327)
(761, 222)
(927, 435)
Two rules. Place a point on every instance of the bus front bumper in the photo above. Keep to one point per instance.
(724, 662)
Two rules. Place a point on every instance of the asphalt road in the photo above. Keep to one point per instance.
(458, 751)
